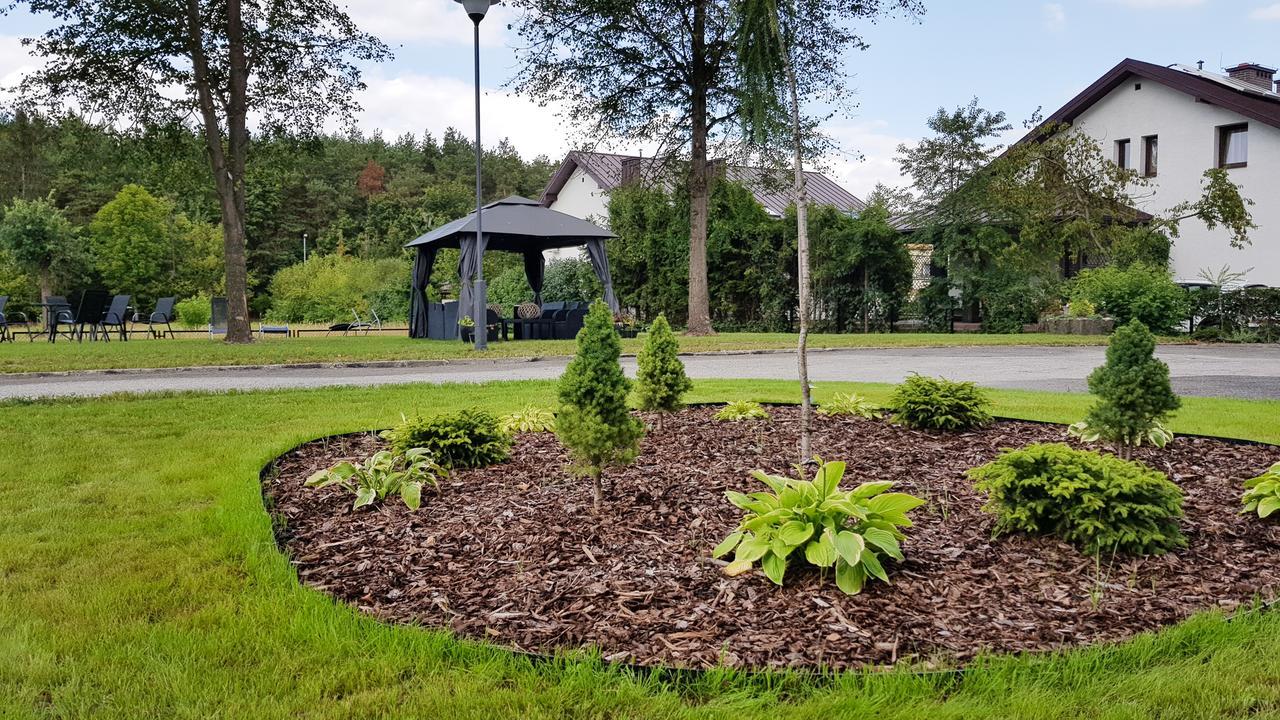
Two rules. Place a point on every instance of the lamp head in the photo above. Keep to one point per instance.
(476, 8)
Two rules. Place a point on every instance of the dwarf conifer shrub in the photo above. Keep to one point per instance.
(1262, 494)
(660, 379)
(739, 410)
(1133, 391)
(814, 521)
(468, 439)
(927, 403)
(594, 423)
(1100, 503)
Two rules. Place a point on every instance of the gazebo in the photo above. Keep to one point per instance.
(516, 225)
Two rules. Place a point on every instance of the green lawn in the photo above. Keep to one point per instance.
(139, 578)
(40, 356)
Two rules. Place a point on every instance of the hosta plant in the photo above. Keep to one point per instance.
(1157, 435)
(927, 403)
(530, 419)
(850, 404)
(739, 410)
(814, 521)
(1262, 494)
(384, 474)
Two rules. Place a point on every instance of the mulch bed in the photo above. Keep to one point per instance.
(512, 554)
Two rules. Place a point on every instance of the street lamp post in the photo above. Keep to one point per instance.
(476, 10)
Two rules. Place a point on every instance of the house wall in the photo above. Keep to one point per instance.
(1188, 141)
(582, 198)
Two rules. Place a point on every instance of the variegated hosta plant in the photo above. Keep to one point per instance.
(1262, 494)
(817, 521)
(1158, 435)
(384, 474)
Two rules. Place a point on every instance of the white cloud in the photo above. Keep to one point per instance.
(412, 102)
(437, 21)
(15, 61)
(878, 149)
(1268, 12)
(1055, 18)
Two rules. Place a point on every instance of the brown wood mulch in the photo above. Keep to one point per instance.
(512, 554)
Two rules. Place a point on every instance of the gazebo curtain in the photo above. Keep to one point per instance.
(422, 264)
(600, 263)
(535, 267)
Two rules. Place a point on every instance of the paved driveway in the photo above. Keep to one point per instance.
(1245, 371)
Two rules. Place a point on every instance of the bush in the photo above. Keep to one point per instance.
(925, 403)
(1081, 309)
(326, 288)
(850, 404)
(660, 379)
(1134, 395)
(1099, 503)
(385, 474)
(570, 279)
(740, 410)
(469, 439)
(1138, 292)
(1262, 494)
(194, 312)
(594, 423)
(532, 419)
(844, 528)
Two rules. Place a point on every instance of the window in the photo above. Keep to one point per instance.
(1123, 158)
(1233, 146)
(1150, 155)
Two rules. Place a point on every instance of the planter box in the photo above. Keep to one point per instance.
(1078, 326)
(469, 335)
(627, 332)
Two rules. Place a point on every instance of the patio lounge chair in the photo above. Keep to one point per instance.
(11, 318)
(162, 315)
(567, 328)
(115, 317)
(90, 314)
(265, 330)
(58, 313)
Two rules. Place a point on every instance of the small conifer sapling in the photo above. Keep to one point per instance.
(1133, 391)
(661, 380)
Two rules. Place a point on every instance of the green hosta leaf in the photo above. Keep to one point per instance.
(884, 540)
(752, 548)
(365, 496)
(849, 546)
(850, 578)
(774, 482)
(893, 503)
(1266, 506)
(871, 564)
(411, 493)
(727, 544)
(821, 552)
(774, 567)
(871, 489)
(321, 478)
(795, 532)
(828, 478)
(746, 502)
(737, 567)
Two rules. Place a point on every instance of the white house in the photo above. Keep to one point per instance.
(1171, 124)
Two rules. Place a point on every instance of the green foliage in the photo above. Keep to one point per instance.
(570, 279)
(194, 312)
(468, 439)
(510, 288)
(1140, 246)
(1139, 292)
(383, 475)
(926, 403)
(16, 284)
(326, 288)
(850, 404)
(38, 236)
(847, 529)
(739, 410)
(661, 380)
(529, 419)
(1133, 391)
(1262, 494)
(1081, 309)
(1098, 502)
(594, 423)
(861, 269)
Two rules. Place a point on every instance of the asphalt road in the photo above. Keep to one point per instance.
(1243, 371)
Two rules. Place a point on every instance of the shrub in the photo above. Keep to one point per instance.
(531, 419)
(469, 439)
(1138, 292)
(926, 403)
(1081, 309)
(594, 423)
(1099, 503)
(193, 312)
(383, 475)
(850, 404)
(845, 528)
(326, 288)
(1134, 395)
(660, 379)
(740, 410)
(1262, 494)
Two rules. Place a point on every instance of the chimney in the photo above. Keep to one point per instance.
(630, 170)
(1253, 74)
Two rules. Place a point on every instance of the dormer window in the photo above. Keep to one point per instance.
(1124, 154)
(1233, 146)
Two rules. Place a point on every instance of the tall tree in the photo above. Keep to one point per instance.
(37, 235)
(774, 38)
(289, 62)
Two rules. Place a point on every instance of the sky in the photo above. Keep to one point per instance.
(1014, 55)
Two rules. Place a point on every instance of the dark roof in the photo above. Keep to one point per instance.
(771, 191)
(517, 224)
(1247, 100)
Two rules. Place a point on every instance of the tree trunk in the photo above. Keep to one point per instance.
(801, 196)
(699, 185)
(597, 491)
(228, 177)
(46, 283)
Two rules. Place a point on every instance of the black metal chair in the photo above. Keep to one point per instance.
(11, 318)
(162, 315)
(91, 313)
(58, 313)
(116, 315)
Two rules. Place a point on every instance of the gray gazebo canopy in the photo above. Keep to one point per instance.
(514, 224)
